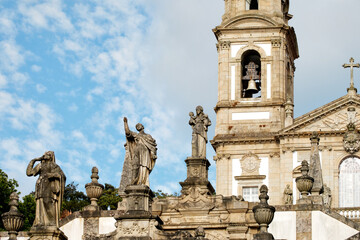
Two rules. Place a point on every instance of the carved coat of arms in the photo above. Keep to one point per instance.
(351, 139)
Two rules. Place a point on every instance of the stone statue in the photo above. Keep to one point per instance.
(49, 189)
(327, 196)
(288, 195)
(199, 124)
(141, 152)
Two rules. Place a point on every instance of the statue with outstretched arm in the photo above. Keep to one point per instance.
(140, 155)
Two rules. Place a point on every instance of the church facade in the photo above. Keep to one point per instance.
(257, 140)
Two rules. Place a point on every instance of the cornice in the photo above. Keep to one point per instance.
(239, 104)
(241, 17)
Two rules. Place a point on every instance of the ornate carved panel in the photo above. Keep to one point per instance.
(351, 139)
(250, 164)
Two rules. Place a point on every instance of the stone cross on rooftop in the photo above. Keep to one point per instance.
(351, 66)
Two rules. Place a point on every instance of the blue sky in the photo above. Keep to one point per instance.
(71, 70)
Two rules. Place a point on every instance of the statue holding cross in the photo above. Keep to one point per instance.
(351, 66)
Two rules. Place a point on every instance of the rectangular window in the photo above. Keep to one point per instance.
(251, 194)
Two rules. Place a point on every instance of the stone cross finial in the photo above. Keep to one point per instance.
(351, 66)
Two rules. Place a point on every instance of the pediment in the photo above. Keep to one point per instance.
(251, 20)
(332, 117)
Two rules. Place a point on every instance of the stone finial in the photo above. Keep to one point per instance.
(94, 190)
(94, 175)
(13, 220)
(264, 214)
(304, 183)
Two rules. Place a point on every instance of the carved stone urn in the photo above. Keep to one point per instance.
(304, 183)
(264, 214)
(94, 190)
(13, 220)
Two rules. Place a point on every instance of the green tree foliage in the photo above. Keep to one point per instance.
(27, 207)
(74, 200)
(7, 186)
(160, 194)
(109, 197)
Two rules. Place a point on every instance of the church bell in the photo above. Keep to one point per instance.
(252, 87)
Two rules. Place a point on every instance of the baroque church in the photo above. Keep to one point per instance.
(257, 140)
(260, 152)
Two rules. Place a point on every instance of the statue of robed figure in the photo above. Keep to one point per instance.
(49, 189)
(140, 156)
(199, 124)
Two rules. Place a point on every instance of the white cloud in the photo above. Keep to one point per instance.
(11, 146)
(48, 15)
(3, 81)
(40, 88)
(6, 102)
(72, 46)
(11, 58)
(73, 107)
(7, 26)
(36, 68)
(19, 79)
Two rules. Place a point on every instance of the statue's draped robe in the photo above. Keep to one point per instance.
(142, 151)
(199, 136)
(49, 191)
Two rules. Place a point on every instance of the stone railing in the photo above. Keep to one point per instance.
(352, 213)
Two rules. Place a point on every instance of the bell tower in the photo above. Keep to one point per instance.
(256, 53)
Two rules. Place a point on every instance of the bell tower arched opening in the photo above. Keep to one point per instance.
(251, 74)
(252, 5)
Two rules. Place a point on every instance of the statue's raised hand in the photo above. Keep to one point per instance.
(125, 120)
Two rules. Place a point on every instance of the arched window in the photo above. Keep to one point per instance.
(349, 179)
(251, 74)
(252, 5)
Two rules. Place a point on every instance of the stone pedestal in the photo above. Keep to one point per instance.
(197, 175)
(47, 234)
(137, 226)
(304, 201)
(137, 222)
(317, 199)
(138, 198)
(263, 236)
